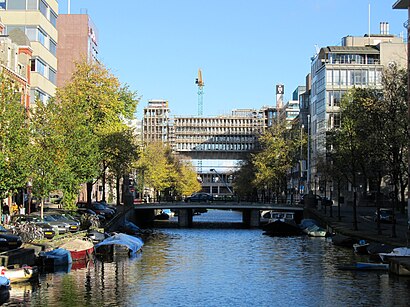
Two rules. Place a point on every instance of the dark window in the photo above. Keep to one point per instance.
(33, 65)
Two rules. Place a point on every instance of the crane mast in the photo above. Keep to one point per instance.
(200, 84)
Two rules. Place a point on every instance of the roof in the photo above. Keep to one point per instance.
(351, 49)
(401, 4)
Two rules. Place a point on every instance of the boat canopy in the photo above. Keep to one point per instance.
(133, 243)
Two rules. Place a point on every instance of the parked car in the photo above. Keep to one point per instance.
(8, 240)
(61, 226)
(104, 203)
(302, 198)
(48, 230)
(103, 210)
(386, 215)
(74, 225)
(98, 208)
(199, 197)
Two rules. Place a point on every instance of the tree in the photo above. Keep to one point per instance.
(154, 167)
(349, 144)
(14, 138)
(183, 177)
(279, 151)
(120, 152)
(47, 152)
(244, 179)
(92, 106)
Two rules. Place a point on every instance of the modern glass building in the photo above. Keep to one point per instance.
(358, 62)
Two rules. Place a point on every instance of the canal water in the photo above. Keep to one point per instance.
(213, 265)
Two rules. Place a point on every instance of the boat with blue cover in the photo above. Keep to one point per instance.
(119, 243)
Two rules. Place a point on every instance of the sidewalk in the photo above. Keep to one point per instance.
(367, 228)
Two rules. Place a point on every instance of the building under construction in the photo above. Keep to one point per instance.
(217, 138)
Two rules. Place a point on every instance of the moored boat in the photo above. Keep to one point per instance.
(398, 252)
(80, 249)
(58, 257)
(15, 275)
(360, 248)
(281, 224)
(312, 229)
(120, 243)
(342, 240)
(364, 266)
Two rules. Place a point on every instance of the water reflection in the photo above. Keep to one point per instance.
(220, 267)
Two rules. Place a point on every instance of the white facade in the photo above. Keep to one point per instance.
(358, 62)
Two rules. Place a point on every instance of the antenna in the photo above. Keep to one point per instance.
(369, 24)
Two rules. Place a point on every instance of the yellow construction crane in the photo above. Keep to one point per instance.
(200, 84)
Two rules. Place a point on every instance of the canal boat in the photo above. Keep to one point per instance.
(364, 266)
(4, 283)
(398, 252)
(55, 258)
(281, 224)
(16, 275)
(80, 249)
(312, 229)
(360, 248)
(119, 243)
(342, 240)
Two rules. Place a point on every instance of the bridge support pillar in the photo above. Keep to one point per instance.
(185, 218)
(251, 217)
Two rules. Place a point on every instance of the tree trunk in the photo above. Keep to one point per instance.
(89, 192)
(103, 182)
(117, 189)
(355, 210)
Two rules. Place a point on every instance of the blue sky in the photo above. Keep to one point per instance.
(243, 47)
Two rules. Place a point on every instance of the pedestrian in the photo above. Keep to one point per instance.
(6, 213)
(22, 209)
(14, 209)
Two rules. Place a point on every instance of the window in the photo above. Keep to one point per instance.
(52, 76)
(53, 47)
(16, 5)
(32, 4)
(329, 78)
(41, 37)
(38, 66)
(43, 8)
(343, 77)
(336, 77)
(31, 33)
(2, 4)
(53, 18)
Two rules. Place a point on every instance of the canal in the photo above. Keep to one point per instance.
(219, 266)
